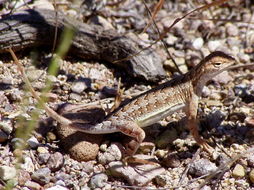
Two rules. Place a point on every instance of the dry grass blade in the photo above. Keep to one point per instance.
(215, 3)
(49, 111)
(156, 10)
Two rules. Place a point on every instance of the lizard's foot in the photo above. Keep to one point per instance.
(207, 148)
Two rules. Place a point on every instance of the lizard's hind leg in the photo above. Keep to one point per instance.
(133, 130)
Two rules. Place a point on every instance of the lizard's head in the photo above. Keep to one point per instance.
(209, 67)
(216, 63)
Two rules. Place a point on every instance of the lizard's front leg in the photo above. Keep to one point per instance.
(191, 113)
(132, 129)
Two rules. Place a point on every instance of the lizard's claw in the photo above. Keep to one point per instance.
(207, 148)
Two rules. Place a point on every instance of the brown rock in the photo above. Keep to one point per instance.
(81, 146)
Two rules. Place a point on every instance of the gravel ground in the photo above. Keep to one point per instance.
(225, 110)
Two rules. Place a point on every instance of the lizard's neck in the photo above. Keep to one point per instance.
(198, 78)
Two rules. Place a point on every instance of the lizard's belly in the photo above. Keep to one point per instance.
(157, 115)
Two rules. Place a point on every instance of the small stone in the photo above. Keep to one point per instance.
(232, 29)
(171, 39)
(42, 176)
(51, 137)
(52, 78)
(43, 158)
(161, 180)
(167, 137)
(98, 180)
(244, 58)
(23, 177)
(251, 176)
(79, 86)
(33, 142)
(57, 187)
(28, 165)
(7, 172)
(160, 153)
(223, 78)
(55, 161)
(198, 43)
(139, 175)
(249, 121)
(172, 160)
(213, 45)
(3, 136)
(113, 153)
(42, 149)
(109, 92)
(34, 74)
(202, 167)
(32, 185)
(103, 147)
(60, 182)
(238, 171)
(146, 147)
(76, 97)
(206, 187)
(6, 126)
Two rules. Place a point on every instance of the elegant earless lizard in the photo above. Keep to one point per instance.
(182, 92)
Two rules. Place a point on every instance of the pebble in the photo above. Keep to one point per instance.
(6, 126)
(244, 58)
(146, 147)
(161, 153)
(43, 158)
(161, 180)
(167, 137)
(202, 167)
(33, 142)
(42, 176)
(42, 149)
(112, 153)
(78, 86)
(23, 177)
(109, 91)
(138, 175)
(55, 161)
(28, 165)
(98, 181)
(7, 172)
(51, 137)
(251, 176)
(60, 182)
(172, 161)
(57, 187)
(232, 29)
(171, 39)
(3, 136)
(198, 43)
(238, 171)
(213, 45)
(76, 97)
(249, 121)
(34, 74)
(223, 78)
(32, 185)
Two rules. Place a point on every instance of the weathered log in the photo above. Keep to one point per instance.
(36, 27)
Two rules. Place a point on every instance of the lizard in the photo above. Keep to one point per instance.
(180, 93)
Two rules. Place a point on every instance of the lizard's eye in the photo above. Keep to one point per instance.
(217, 64)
